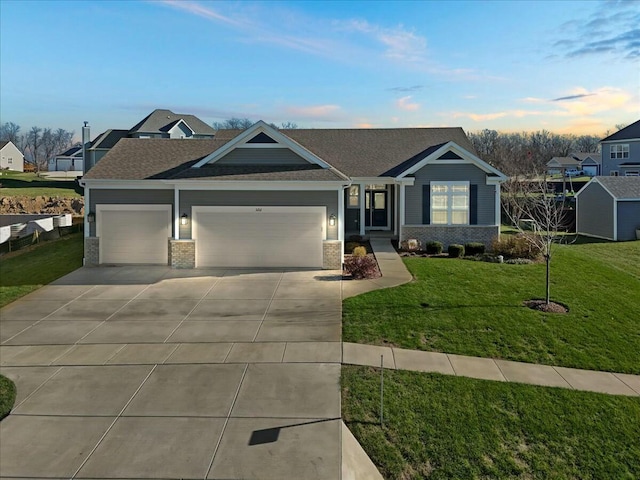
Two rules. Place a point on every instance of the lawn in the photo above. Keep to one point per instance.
(31, 268)
(475, 308)
(31, 185)
(442, 427)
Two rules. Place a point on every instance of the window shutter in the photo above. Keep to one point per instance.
(473, 204)
(426, 208)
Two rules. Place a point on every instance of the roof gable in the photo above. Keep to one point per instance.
(630, 132)
(445, 154)
(162, 120)
(243, 140)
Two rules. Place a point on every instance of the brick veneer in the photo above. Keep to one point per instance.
(91, 251)
(450, 234)
(182, 253)
(332, 254)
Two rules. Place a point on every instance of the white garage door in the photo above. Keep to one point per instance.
(259, 236)
(590, 170)
(136, 234)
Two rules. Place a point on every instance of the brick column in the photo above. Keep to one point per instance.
(91, 251)
(332, 254)
(182, 253)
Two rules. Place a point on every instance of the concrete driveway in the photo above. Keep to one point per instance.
(148, 372)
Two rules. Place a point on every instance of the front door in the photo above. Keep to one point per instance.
(376, 215)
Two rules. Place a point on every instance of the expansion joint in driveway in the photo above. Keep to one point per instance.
(264, 316)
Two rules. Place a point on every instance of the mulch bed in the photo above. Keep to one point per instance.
(542, 306)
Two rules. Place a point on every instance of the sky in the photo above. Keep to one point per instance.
(564, 66)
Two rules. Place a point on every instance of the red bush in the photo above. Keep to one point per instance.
(361, 267)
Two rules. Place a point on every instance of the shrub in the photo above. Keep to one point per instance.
(474, 248)
(519, 261)
(455, 250)
(361, 267)
(410, 245)
(351, 246)
(433, 248)
(516, 246)
(359, 251)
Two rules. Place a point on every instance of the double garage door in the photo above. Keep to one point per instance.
(224, 236)
(258, 236)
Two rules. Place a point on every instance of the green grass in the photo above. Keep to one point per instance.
(31, 268)
(31, 185)
(475, 308)
(7, 396)
(442, 427)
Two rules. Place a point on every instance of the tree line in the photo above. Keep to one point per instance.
(235, 123)
(528, 152)
(37, 144)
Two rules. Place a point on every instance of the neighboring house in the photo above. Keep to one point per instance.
(609, 207)
(10, 157)
(68, 161)
(587, 162)
(285, 198)
(160, 123)
(621, 152)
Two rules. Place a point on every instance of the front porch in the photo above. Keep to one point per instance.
(372, 210)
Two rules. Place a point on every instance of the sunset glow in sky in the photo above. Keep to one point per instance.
(568, 67)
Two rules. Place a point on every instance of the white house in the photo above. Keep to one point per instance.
(11, 157)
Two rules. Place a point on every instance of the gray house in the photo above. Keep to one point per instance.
(621, 152)
(609, 207)
(284, 198)
(161, 123)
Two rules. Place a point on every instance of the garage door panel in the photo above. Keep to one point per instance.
(259, 239)
(134, 236)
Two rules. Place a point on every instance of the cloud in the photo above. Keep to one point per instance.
(404, 104)
(195, 8)
(411, 89)
(611, 30)
(573, 97)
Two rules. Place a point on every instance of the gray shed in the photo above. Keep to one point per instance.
(609, 207)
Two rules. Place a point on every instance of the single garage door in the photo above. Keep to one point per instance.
(259, 236)
(137, 234)
(591, 170)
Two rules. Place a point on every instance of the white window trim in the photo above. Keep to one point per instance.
(449, 203)
(632, 173)
(349, 196)
(619, 151)
(613, 173)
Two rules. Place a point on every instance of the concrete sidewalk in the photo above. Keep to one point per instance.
(392, 268)
(490, 369)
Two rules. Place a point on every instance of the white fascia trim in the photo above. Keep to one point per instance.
(621, 140)
(467, 157)
(383, 180)
(258, 186)
(615, 220)
(256, 128)
(127, 184)
(627, 199)
(186, 124)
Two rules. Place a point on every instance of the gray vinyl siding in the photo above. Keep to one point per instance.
(182, 130)
(628, 219)
(609, 163)
(262, 156)
(190, 198)
(128, 197)
(450, 173)
(594, 210)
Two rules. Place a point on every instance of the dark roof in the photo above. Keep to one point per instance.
(160, 119)
(627, 133)
(377, 151)
(108, 139)
(309, 172)
(353, 152)
(3, 143)
(144, 158)
(583, 155)
(70, 152)
(565, 161)
(622, 187)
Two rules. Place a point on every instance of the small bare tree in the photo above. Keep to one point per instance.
(530, 200)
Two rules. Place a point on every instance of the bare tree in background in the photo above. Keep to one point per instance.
(244, 123)
(531, 199)
(10, 132)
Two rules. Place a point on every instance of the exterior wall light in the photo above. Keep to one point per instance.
(332, 220)
(184, 219)
(91, 217)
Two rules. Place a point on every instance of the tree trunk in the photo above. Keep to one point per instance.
(547, 298)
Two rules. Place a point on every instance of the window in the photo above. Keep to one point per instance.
(620, 151)
(613, 173)
(632, 173)
(450, 203)
(10, 160)
(354, 196)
